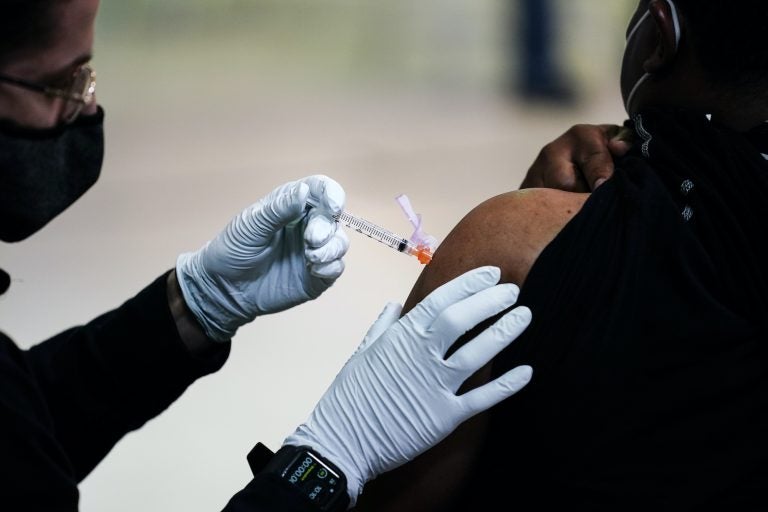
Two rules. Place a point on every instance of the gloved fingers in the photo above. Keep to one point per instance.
(326, 246)
(326, 261)
(460, 317)
(320, 228)
(328, 271)
(475, 354)
(283, 206)
(387, 318)
(333, 249)
(488, 395)
(452, 292)
(326, 194)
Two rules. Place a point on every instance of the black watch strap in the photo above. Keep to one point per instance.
(306, 472)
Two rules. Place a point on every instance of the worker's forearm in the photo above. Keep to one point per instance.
(189, 328)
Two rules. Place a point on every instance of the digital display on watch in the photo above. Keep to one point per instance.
(313, 478)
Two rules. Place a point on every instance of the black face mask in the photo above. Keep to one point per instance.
(42, 172)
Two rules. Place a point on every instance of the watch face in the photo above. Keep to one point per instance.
(314, 479)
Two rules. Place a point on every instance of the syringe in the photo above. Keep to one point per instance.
(371, 230)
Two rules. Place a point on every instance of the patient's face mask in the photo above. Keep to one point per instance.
(640, 81)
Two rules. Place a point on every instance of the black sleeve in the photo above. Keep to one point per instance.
(267, 493)
(110, 376)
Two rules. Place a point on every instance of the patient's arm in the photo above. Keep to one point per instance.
(508, 231)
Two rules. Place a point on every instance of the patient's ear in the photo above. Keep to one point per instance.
(666, 47)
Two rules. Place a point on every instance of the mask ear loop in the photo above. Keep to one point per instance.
(636, 27)
(676, 22)
(631, 96)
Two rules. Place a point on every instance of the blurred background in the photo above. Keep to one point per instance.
(212, 103)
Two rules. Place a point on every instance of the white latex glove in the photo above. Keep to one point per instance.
(271, 257)
(396, 397)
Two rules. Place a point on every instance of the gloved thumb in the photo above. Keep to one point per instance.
(388, 317)
(326, 193)
(282, 207)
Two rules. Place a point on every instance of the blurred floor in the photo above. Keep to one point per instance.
(196, 132)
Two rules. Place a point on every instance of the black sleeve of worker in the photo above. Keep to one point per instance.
(267, 493)
(108, 377)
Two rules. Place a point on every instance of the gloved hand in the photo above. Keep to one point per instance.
(271, 257)
(396, 396)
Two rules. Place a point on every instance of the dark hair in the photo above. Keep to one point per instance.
(25, 25)
(729, 39)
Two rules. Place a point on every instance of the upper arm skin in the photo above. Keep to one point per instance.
(508, 231)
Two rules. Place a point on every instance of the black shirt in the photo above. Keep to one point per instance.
(648, 339)
(65, 403)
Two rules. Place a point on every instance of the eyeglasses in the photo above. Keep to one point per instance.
(78, 94)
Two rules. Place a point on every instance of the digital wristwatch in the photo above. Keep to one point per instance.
(305, 472)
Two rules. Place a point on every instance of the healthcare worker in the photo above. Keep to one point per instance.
(65, 402)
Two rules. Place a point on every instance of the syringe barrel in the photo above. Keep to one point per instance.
(381, 235)
(373, 231)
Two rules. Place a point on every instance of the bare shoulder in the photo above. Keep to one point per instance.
(508, 231)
